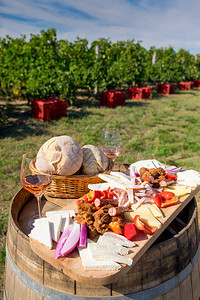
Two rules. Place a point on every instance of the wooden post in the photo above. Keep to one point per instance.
(154, 58)
(97, 56)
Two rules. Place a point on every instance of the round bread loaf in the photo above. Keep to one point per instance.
(94, 160)
(62, 155)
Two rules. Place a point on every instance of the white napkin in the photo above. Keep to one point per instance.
(189, 178)
(149, 163)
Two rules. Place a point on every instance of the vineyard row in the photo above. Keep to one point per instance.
(44, 67)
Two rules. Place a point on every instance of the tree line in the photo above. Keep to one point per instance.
(44, 66)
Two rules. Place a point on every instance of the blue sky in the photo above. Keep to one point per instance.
(159, 23)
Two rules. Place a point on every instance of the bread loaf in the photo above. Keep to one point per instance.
(62, 155)
(94, 160)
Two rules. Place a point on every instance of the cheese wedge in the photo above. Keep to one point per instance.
(113, 238)
(103, 245)
(99, 255)
(55, 222)
(157, 213)
(145, 215)
(66, 217)
(110, 256)
(41, 232)
(89, 263)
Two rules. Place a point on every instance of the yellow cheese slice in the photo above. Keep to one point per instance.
(178, 190)
(145, 215)
(154, 210)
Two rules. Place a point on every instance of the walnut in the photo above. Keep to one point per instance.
(160, 178)
(161, 171)
(142, 171)
(102, 219)
(154, 173)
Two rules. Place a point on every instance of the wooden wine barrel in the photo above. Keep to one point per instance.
(168, 270)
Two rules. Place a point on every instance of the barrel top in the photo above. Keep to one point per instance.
(71, 265)
(24, 206)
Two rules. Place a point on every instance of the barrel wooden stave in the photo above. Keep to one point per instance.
(18, 244)
(195, 278)
(163, 261)
(168, 259)
(145, 273)
(57, 280)
(93, 291)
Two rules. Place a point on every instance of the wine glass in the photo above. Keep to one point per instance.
(34, 181)
(111, 143)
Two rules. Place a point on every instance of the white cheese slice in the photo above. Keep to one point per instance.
(89, 263)
(189, 178)
(113, 181)
(111, 237)
(104, 246)
(55, 222)
(70, 211)
(125, 178)
(41, 232)
(99, 255)
(98, 186)
(66, 217)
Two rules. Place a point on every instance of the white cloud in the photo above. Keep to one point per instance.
(158, 23)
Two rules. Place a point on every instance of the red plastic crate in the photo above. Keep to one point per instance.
(197, 83)
(48, 109)
(166, 88)
(112, 98)
(103, 98)
(146, 92)
(172, 88)
(139, 93)
(188, 85)
(135, 93)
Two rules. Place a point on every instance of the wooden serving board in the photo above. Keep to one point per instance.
(72, 266)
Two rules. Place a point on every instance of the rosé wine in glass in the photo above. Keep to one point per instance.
(111, 143)
(35, 183)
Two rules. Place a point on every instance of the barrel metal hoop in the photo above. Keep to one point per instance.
(145, 295)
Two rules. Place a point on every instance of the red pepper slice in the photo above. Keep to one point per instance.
(143, 226)
(129, 231)
(158, 199)
(165, 199)
(146, 179)
(169, 202)
(171, 176)
(104, 195)
(150, 229)
(167, 195)
(108, 190)
(92, 195)
(110, 195)
(138, 223)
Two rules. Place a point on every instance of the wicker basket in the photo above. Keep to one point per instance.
(71, 187)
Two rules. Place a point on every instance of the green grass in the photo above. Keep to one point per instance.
(165, 128)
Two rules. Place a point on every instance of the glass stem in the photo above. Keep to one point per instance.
(39, 205)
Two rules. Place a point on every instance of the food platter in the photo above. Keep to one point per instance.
(72, 265)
